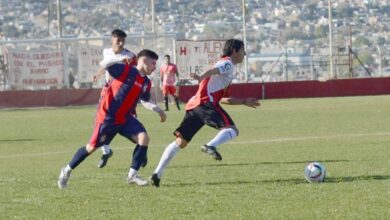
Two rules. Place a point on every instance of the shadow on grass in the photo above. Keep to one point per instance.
(19, 140)
(283, 181)
(253, 164)
(356, 178)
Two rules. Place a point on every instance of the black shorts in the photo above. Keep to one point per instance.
(210, 114)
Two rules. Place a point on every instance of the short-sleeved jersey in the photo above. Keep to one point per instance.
(123, 92)
(214, 88)
(108, 54)
(168, 72)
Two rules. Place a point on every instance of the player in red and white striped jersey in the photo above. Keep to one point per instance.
(204, 108)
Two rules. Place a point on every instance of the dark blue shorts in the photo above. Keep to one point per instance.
(103, 133)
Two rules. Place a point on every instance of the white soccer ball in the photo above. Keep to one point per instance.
(315, 172)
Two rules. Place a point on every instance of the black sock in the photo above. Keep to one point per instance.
(177, 103)
(80, 155)
(139, 157)
(166, 102)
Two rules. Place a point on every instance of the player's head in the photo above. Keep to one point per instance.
(167, 59)
(234, 49)
(146, 61)
(118, 40)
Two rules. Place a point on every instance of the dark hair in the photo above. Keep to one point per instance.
(147, 53)
(167, 56)
(118, 33)
(232, 44)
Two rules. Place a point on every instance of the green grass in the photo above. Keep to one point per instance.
(260, 177)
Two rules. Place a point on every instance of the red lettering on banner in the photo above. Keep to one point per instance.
(21, 56)
(40, 81)
(183, 51)
(30, 64)
(39, 71)
(49, 63)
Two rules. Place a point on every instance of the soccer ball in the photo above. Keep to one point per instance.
(315, 172)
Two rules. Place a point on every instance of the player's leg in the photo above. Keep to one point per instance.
(184, 133)
(214, 116)
(102, 134)
(165, 94)
(135, 131)
(107, 153)
(172, 91)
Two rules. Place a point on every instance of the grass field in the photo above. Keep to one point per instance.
(260, 177)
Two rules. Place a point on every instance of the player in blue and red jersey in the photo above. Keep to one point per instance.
(115, 114)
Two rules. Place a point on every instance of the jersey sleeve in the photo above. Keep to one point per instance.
(225, 67)
(116, 70)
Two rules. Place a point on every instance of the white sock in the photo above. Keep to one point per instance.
(67, 169)
(132, 173)
(223, 136)
(169, 152)
(106, 149)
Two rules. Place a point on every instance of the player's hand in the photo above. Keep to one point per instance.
(163, 116)
(252, 102)
(195, 76)
(95, 78)
(126, 60)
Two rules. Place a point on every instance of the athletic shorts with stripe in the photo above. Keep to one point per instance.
(210, 114)
(103, 133)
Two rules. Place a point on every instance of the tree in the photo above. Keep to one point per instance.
(381, 41)
(344, 11)
(362, 41)
(321, 32)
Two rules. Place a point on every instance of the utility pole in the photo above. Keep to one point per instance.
(350, 63)
(286, 65)
(153, 18)
(49, 9)
(330, 40)
(245, 42)
(380, 60)
(59, 18)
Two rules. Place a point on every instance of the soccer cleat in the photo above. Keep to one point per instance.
(212, 151)
(63, 179)
(137, 180)
(154, 180)
(103, 160)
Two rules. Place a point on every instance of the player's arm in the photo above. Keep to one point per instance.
(208, 73)
(153, 107)
(114, 66)
(145, 101)
(250, 102)
(98, 74)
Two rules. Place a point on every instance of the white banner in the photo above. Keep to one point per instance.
(38, 69)
(197, 56)
(89, 57)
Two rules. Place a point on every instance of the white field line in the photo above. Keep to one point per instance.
(272, 140)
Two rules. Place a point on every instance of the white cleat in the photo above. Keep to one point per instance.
(137, 180)
(63, 179)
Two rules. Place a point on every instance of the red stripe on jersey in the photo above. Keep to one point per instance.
(110, 94)
(94, 137)
(136, 89)
(200, 97)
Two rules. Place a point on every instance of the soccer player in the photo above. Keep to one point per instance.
(117, 50)
(169, 77)
(204, 108)
(115, 114)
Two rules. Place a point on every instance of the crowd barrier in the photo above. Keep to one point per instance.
(276, 90)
